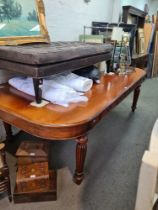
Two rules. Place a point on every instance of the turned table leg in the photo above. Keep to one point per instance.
(81, 150)
(135, 98)
(38, 91)
(8, 129)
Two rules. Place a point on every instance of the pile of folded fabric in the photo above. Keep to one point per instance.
(59, 89)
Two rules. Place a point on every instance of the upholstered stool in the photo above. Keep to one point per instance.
(5, 188)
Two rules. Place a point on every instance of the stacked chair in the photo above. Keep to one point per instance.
(5, 188)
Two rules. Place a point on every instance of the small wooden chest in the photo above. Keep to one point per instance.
(32, 177)
(48, 193)
(32, 152)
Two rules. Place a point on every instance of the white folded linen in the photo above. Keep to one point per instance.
(23, 84)
(51, 91)
(53, 84)
(74, 81)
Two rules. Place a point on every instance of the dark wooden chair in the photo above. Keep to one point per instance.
(5, 188)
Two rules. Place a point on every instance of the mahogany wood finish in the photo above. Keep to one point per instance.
(32, 176)
(30, 152)
(58, 123)
(33, 149)
(46, 194)
(81, 150)
(135, 98)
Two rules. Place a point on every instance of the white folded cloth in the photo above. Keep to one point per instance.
(23, 84)
(74, 81)
(51, 91)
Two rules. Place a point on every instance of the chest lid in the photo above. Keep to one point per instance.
(32, 149)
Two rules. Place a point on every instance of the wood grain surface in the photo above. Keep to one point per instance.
(57, 122)
(48, 193)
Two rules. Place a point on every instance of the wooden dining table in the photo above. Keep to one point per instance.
(54, 122)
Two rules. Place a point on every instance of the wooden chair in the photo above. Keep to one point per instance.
(5, 188)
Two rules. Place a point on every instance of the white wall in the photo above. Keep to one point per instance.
(153, 6)
(117, 10)
(66, 18)
(136, 3)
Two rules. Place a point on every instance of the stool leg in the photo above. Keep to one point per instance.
(8, 129)
(81, 150)
(135, 98)
(38, 90)
(108, 66)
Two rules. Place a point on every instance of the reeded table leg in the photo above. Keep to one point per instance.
(135, 98)
(8, 129)
(81, 150)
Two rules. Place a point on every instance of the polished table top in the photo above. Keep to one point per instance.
(56, 122)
